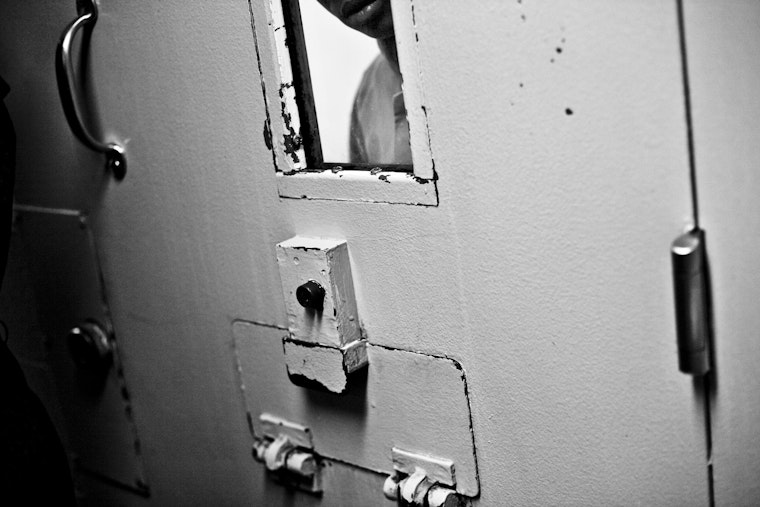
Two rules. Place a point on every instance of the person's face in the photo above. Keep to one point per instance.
(370, 17)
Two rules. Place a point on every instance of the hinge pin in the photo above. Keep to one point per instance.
(691, 302)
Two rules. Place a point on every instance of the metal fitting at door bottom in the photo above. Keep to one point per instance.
(288, 463)
(419, 491)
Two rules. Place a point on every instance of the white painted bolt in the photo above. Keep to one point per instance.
(276, 453)
(411, 485)
(390, 487)
(301, 463)
(439, 496)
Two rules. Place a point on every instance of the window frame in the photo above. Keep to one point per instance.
(301, 173)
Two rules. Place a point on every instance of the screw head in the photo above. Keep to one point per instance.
(311, 295)
(90, 347)
(116, 162)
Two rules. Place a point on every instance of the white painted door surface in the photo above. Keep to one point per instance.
(558, 135)
(723, 46)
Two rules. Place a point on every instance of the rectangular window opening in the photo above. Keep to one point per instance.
(311, 155)
(347, 86)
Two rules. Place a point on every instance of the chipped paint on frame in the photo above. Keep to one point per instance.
(291, 144)
(407, 42)
(297, 181)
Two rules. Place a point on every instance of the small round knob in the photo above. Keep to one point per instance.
(116, 162)
(90, 347)
(311, 295)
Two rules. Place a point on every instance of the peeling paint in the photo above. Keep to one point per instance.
(324, 367)
(268, 120)
(414, 23)
(288, 142)
(141, 486)
(268, 134)
(430, 146)
(290, 151)
(306, 382)
(291, 139)
(305, 248)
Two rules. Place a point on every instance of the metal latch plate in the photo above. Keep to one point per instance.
(408, 400)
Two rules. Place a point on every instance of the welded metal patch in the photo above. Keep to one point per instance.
(408, 400)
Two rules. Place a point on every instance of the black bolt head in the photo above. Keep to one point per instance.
(90, 347)
(311, 295)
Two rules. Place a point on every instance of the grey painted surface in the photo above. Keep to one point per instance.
(544, 269)
(415, 402)
(723, 45)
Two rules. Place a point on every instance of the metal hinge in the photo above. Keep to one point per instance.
(287, 451)
(422, 481)
(692, 302)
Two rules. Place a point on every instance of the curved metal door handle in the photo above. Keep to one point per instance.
(116, 161)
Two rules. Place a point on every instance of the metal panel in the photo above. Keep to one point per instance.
(100, 433)
(412, 401)
(562, 179)
(723, 46)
